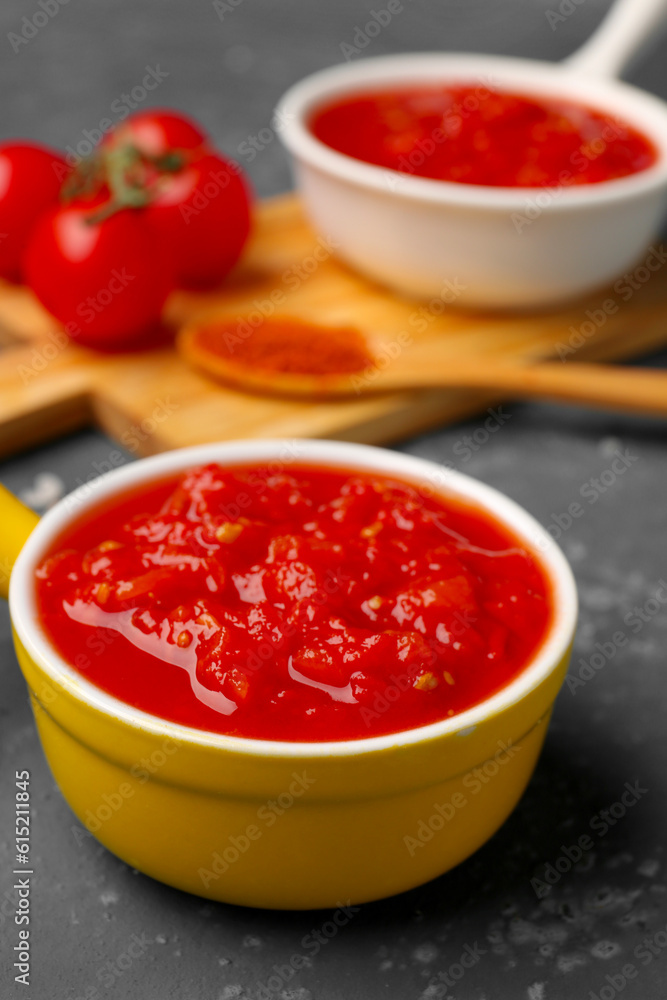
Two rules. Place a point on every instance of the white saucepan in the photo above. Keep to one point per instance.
(499, 247)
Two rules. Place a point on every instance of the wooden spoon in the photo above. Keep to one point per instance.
(637, 390)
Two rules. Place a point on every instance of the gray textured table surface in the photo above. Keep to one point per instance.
(608, 910)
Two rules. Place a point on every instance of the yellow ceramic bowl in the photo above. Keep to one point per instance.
(274, 824)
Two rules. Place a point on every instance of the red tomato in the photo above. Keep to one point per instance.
(156, 132)
(203, 213)
(105, 281)
(30, 180)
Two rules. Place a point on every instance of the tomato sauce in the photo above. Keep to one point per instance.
(292, 602)
(474, 135)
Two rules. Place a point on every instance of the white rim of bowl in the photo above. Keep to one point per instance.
(303, 452)
(639, 108)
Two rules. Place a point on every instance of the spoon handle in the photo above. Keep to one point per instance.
(624, 31)
(637, 390)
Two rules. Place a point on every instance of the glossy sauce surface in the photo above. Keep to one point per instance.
(293, 602)
(474, 135)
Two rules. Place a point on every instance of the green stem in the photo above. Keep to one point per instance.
(127, 172)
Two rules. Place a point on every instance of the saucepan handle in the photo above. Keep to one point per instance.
(624, 32)
(16, 523)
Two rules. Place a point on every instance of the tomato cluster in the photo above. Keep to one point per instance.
(103, 243)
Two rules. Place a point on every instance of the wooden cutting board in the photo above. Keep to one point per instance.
(153, 401)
